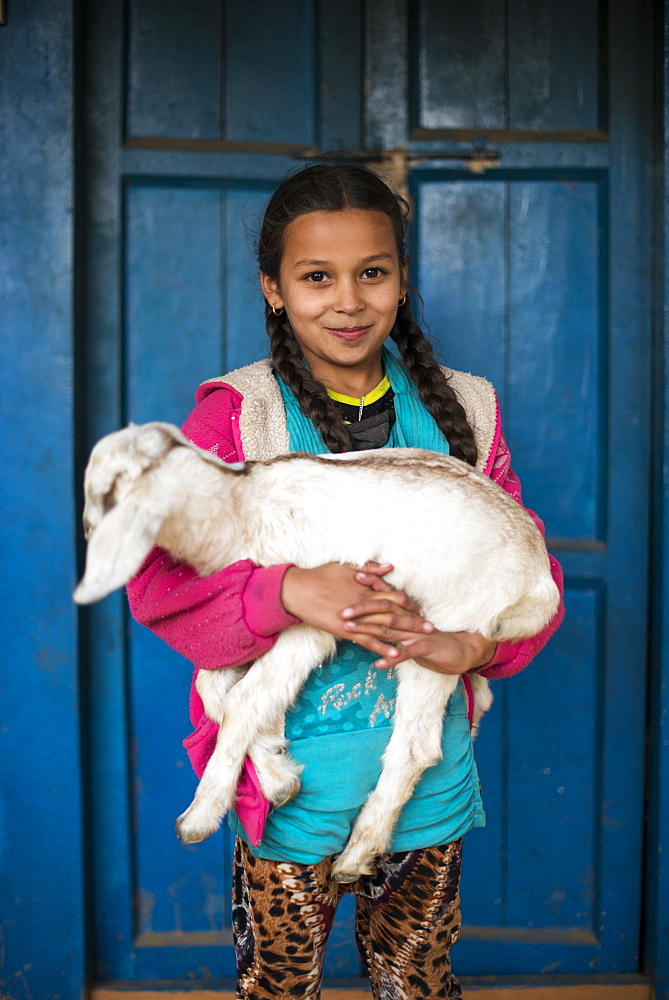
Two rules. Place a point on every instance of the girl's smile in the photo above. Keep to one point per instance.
(340, 282)
(348, 334)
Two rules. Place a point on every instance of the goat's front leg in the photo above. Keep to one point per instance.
(415, 744)
(213, 687)
(254, 706)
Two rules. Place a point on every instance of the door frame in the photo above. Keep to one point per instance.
(656, 940)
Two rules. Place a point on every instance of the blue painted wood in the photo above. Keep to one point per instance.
(172, 275)
(459, 51)
(243, 304)
(657, 873)
(628, 423)
(462, 278)
(553, 65)
(341, 79)
(206, 71)
(386, 74)
(271, 77)
(41, 845)
(520, 65)
(173, 69)
(556, 351)
(483, 887)
(553, 796)
(104, 657)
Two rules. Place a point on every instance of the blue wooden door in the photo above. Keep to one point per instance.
(523, 156)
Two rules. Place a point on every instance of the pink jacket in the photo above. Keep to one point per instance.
(236, 615)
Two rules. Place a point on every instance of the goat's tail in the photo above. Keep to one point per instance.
(528, 615)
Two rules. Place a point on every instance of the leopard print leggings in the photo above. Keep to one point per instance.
(407, 918)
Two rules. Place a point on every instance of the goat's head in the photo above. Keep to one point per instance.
(120, 525)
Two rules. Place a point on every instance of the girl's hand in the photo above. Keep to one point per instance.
(319, 596)
(444, 652)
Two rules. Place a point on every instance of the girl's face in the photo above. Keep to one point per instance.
(339, 282)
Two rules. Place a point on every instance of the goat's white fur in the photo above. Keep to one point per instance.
(465, 551)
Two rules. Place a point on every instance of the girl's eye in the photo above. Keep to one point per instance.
(316, 276)
(373, 272)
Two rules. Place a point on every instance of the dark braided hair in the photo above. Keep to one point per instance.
(429, 379)
(333, 188)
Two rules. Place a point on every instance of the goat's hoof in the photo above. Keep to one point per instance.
(282, 795)
(187, 833)
(191, 837)
(350, 869)
(344, 878)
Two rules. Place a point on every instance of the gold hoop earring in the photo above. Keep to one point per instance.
(402, 301)
(278, 312)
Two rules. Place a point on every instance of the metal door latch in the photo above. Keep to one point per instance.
(394, 164)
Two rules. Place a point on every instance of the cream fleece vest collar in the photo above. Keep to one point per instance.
(262, 422)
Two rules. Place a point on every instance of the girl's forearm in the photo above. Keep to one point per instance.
(218, 621)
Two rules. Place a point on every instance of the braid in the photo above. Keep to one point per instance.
(429, 379)
(310, 394)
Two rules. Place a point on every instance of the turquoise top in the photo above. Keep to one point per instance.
(340, 725)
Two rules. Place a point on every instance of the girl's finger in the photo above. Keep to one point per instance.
(388, 604)
(408, 649)
(380, 569)
(376, 583)
(384, 625)
(375, 645)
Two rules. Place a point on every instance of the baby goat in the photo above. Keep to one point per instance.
(460, 546)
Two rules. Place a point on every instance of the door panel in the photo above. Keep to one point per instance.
(232, 74)
(532, 274)
(519, 65)
(173, 69)
(557, 333)
(519, 272)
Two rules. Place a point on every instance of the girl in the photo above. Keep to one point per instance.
(333, 272)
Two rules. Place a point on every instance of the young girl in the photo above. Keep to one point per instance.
(333, 272)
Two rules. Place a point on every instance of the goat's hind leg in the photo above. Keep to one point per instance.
(415, 744)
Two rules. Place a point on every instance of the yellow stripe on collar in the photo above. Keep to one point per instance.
(371, 397)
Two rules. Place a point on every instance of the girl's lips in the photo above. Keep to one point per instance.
(345, 333)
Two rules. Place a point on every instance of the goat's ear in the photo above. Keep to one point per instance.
(116, 550)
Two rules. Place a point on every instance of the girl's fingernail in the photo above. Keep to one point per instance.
(347, 612)
(428, 627)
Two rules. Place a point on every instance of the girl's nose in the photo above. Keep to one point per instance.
(349, 297)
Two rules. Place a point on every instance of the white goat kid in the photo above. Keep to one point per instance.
(466, 552)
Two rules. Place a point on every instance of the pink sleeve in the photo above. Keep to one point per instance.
(511, 657)
(225, 619)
